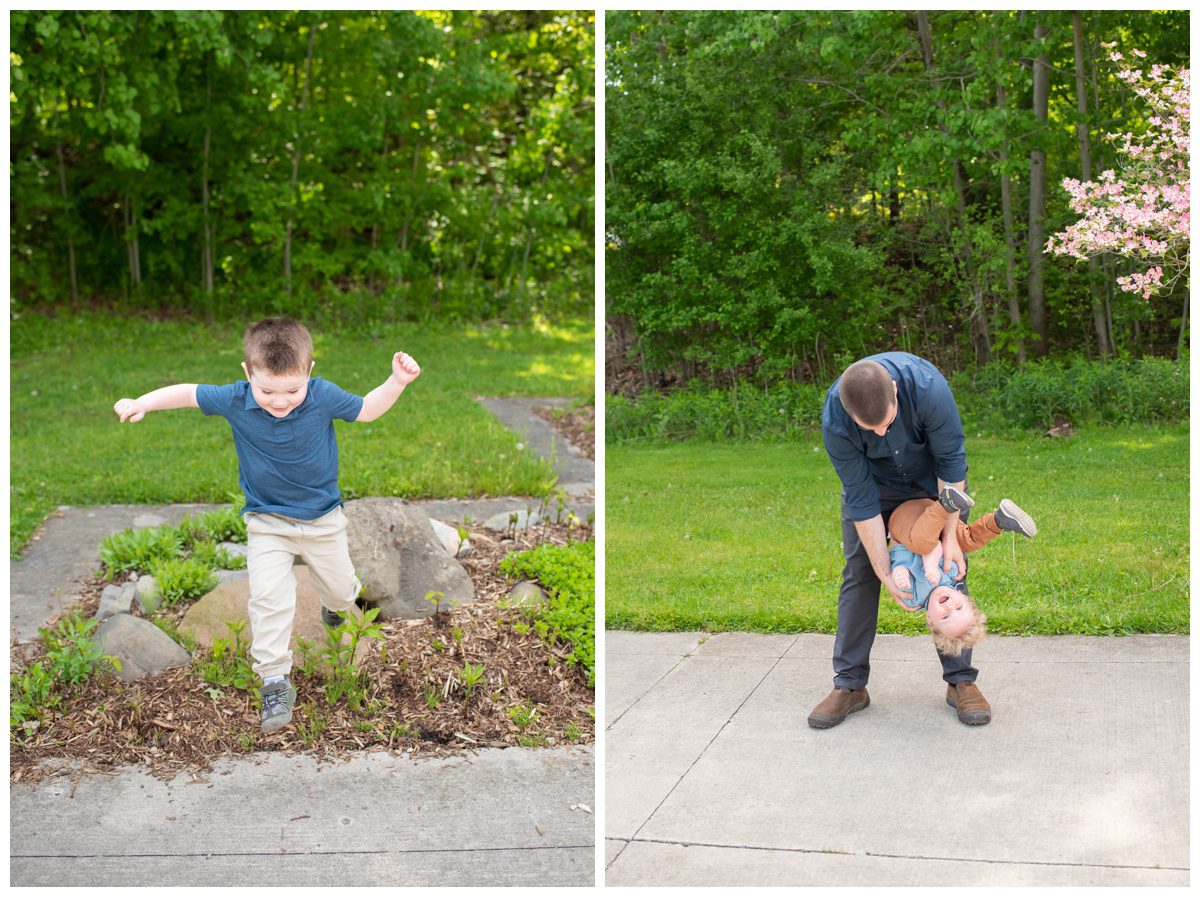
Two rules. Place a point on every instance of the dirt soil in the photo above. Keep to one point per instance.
(576, 424)
(176, 722)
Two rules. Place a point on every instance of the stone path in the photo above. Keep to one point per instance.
(713, 777)
(576, 474)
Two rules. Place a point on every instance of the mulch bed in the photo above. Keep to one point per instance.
(176, 722)
(576, 424)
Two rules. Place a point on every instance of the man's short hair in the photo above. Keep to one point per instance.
(866, 392)
(278, 345)
(968, 639)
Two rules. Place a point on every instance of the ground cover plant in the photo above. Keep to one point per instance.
(484, 674)
(67, 371)
(747, 535)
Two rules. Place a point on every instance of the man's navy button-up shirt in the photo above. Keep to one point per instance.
(286, 465)
(924, 443)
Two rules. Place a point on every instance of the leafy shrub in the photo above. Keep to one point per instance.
(31, 696)
(568, 574)
(138, 549)
(71, 655)
(182, 579)
(213, 555)
(224, 525)
(228, 661)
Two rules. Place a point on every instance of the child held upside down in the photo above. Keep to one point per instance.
(916, 554)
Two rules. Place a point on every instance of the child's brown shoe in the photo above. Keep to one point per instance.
(972, 706)
(835, 708)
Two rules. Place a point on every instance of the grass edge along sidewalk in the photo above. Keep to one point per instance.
(745, 536)
(67, 447)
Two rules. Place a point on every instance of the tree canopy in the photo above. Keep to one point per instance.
(413, 164)
(788, 191)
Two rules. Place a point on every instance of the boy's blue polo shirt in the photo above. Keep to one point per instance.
(286, 465)
(924, 443)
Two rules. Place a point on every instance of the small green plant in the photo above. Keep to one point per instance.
(247, 740)
(471, 675)
(137, 549)
(457, 634)
(572, 732)
(537, 739)
(31, 698)
(182, 579)
(228, 663)
(310, 724)
(342, 676)
(433, 696)
(438, 645)
(167, 625)
(225, 525)
(213, 555)
(522, 715)
(71, 655)
(435, 598)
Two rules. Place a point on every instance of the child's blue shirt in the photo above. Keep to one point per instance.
(286, 465)
(902, 557)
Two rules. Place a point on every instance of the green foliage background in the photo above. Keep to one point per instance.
(366, 165)
(782, 195)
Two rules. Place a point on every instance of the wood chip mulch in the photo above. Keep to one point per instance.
(175, 722)
(576, 424)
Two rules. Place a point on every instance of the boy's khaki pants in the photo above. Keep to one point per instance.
(272, 542)
(918, 524)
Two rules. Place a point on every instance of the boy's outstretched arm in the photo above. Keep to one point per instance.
(376, 403)
(181, 395)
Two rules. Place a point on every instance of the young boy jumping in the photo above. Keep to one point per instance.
(916, 555)
(282, 421)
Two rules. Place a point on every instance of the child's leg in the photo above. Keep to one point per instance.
(269, 555)
(918, 524)
(323, 547)
(976, 535)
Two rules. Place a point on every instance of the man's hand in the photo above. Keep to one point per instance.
(952, 554)
(129, 410)
(404, 369)
(894, 588)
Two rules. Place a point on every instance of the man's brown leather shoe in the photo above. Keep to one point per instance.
(834, 709)
(970, 703)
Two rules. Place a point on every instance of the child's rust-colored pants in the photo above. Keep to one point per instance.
(918, 525)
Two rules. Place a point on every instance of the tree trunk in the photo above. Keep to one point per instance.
(1099, 321)
(979, 307)
(1010, 238)
(1182, 325)
(207, 256)
(287, 245)
(129, 215)
(1037, 201)
(62, 184)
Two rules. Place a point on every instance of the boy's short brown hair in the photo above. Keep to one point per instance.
(968, 639)
(866, 392)
(278, 345)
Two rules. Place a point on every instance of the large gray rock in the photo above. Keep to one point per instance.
(116, 599)
(140, 646)
(400, 559)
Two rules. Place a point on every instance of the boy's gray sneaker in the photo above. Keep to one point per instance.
(331, 618)
(278, 698)
(1012, 519)
(954, 499)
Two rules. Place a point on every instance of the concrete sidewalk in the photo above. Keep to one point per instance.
(499, 817)
(713, 776)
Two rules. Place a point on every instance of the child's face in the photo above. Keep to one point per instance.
(277, 394)
(949, 612)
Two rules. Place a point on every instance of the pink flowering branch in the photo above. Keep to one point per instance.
(1144, 212)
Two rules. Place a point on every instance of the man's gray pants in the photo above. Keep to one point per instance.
(858, 606)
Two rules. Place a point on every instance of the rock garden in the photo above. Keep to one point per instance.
(468, 634)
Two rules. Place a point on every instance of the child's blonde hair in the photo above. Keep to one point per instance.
(966, 639)
(281, 345)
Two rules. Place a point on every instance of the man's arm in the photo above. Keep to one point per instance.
(951, 552)
(377, 402)
(873, 536)
(169, 398)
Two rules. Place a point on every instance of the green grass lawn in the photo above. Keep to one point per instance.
(747, 536)
(67, 446)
